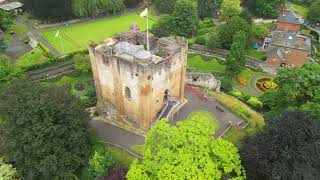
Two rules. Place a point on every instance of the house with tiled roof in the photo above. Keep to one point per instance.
(285, 46)
(288, 21)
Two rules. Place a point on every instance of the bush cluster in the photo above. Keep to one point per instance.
(45, 51)
(252, 101)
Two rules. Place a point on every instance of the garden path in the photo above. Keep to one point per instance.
(35, 32)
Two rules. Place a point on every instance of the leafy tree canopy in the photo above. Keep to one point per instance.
(299, 88)
(314, 12)
(45, 131)
(204, 8)
(48, 9)
(184, 18)
(7, 172)
(165, 6)
(288, 149)
(230, 8)
(163, 27)
(6, 20)
(82, 62)
(187, 151)
(230, 28)
(8, 72)
(89, 8)
(267, 8)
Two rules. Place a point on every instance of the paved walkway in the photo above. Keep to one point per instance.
(251, 89)
(35, 32)
(126, 139)
(196, 104)
(116, 135)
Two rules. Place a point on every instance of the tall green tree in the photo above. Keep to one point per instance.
(165, 6)
(8, 72)
(82, 62)
(48, 9)
(204, 8)
(236, 58)
(299, 89)
(267, 8)
(91, 8)
(45, 131)
(184, 18)
(187, 151)
(230, 28)
(230, 8)
(6, 20)
(163, 27)
(314, 12)
(287, 149)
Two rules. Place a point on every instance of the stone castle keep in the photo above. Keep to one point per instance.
(140, 86)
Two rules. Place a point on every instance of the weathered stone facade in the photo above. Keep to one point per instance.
(204, 80)
(135, 81)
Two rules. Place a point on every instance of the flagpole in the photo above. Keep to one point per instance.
(61, 42)
(148, 31)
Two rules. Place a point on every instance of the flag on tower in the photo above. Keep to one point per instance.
(144, 13)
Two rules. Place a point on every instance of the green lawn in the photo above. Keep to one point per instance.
(93, 31)
(256, 54)
(31, 58)
(205, 64)
(255, 119)
(300, 8)
(248, 73)
(71, 81)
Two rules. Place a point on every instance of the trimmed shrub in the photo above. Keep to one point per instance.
(48, 54)
(226, 84)
(201, 40)
(203, 31)
(246, 97)
(255, 103)
(236, 93)
(100, 163)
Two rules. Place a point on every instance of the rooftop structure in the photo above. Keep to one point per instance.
(289, 17)
(288, 21)
(11, 6)
(290, 39)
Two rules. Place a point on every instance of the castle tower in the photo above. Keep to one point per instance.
(135, 82)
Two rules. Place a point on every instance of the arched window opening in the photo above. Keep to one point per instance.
(128, 93)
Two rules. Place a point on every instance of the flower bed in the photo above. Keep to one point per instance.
(265, 84)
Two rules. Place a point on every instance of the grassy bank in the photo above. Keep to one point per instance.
(255, 119)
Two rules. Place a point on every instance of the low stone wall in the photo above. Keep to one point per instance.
(204, 80)
(221, 54)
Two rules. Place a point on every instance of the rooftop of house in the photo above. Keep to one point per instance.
(132, 46)
(289, 17)
(11, 6)
(290, 39)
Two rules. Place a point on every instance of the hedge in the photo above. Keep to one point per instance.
(54, 60)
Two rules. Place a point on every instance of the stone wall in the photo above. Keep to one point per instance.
(221, 54)
(204, 80)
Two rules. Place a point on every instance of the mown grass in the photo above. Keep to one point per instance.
(31, 58)
(205, 64)
(71, 81)
(255, 119)
(93, 31)
(256, 54)
(302, 9)
(248, 73)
